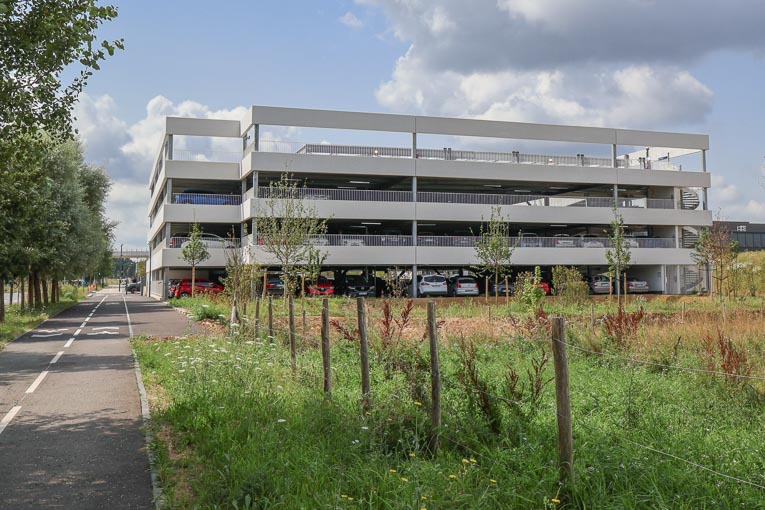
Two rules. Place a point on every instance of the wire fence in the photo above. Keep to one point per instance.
(279, 330)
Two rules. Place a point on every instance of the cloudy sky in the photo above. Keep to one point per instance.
(684, 65)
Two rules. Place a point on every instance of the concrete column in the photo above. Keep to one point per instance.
(613, 155)
(677, 236)
(414, 145)
(256, 136)
(165, 275)
(169, 191)
(413, 291)
(255, 183)
(169, 147)
(147, 278)
(167, 235)
(679, 286)
(704, 202)
(616, 195)
(663, 279)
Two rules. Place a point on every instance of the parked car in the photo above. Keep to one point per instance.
(463, 238)
(133, 287)
(564, 241)
(274, 285)
(599, 284)
(462, 286)
(530, 240)
(201, 286)
(321, 287)
(392, 237)
(501, 289)
(590, 241)
(354, 241)
(172, 285)
(318, 240)
(205, 197)
(545, 287)
(177, 240)
(431, 285)
(631, 242)
(212, 241)
(635, 286)
(427, 239)
(357, 286)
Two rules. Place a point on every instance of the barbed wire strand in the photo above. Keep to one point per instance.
(672, 456)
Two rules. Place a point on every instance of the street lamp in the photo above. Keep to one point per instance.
(122, 270)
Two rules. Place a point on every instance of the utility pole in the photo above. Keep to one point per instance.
(122, 270)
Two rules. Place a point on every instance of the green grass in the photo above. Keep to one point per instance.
(244, 431)
(17, 323)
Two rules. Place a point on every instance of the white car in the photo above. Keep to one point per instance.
(431, 285)
(212, 241)
(354, 242)
(591, 241)
(318, 240)
(564, 241)
(530, 240)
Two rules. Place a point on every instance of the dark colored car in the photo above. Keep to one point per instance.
(357, 286)
(204, 197)
(201, 286)
(275, 286)
(133, 287)
(322, 287)
(500, 289)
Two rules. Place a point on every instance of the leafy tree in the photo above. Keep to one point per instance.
(716, 249)
(287, 227)
(569, 285)
(194, 253)
(618, 253)
(40, 40)
(494, 248)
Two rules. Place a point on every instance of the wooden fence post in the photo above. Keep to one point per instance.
(305, 325)
(325, 360)
(563, 404)
(364, 348)
(257, 318)
(507, 292)
(682, 317)
(293, 346)
(592, 315)
(435, 380)
(270, 320)
(486, 288)
(265, 283)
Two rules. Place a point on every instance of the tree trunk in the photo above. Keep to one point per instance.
(2, 299)
(21, 293)
(31, 291)
(54, 290)
(193, 279)
(496, 288)
(44, 282)
(11, 294)
(38, 291)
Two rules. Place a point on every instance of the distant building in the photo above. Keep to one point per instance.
(750, 236)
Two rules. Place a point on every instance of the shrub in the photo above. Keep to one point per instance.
(569, 285)
(528, 290)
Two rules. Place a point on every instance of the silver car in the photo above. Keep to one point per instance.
(462, 286)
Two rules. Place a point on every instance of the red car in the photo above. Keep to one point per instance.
(322, 287)
(202, 286)
(546, 287)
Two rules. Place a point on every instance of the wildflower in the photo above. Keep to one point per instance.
(412, 455)
(344, 496)
(492, 480)
(418, 403)
(404, 479)
(452, 476)
(364, 427)
(391, 470)
(424, 498)
(555, 500)
(280, 420)
(465, 461)
(472, 460)
(350, 498)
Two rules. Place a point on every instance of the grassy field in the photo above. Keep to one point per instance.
(17, 323)
(235, 428)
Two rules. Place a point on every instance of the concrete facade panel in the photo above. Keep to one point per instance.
(207, 170)
(188, 213)
(321, 164)
(202, 127)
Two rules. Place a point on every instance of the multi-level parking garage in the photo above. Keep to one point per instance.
(417, 207)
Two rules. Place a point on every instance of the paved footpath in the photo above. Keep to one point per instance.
(70, 414)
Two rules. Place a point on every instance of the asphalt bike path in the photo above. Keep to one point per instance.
(70, 414)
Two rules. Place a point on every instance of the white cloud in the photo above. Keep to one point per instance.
(351, 21)
(127, 152)
(724, 193)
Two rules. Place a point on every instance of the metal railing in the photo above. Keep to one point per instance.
(210, 242)
(464, 198)
(207, 155)
(363, 195)
(206, 199)
(350, 240)
(450, 154)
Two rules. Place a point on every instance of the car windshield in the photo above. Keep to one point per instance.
(465, 280)
(434, 279)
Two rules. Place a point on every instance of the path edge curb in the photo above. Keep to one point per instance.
(158, 498)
